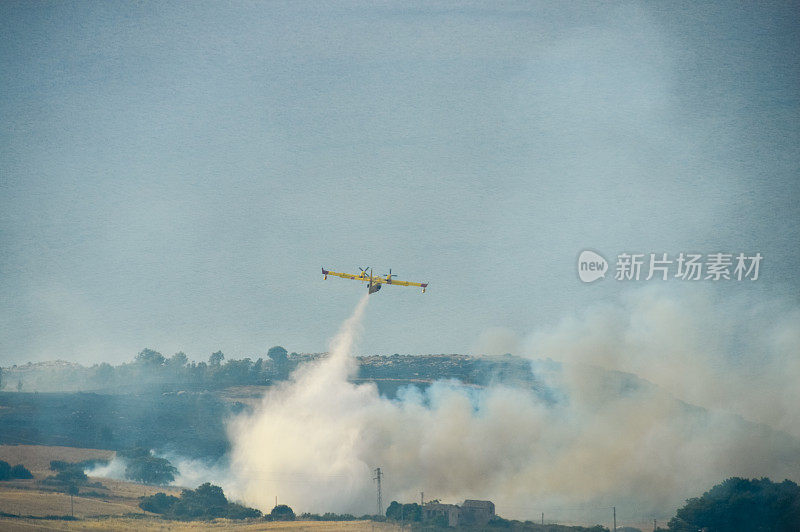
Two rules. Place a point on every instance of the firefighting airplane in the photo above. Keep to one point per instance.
(374, 281)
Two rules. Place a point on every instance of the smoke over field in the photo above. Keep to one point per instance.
(597, 437)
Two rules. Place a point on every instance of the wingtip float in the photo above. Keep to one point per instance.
(374, 282)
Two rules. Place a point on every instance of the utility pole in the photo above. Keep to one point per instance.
(542, 518)
(72, 489)
(615, 518)
(654, 525)
(380, 502)
(422, 498)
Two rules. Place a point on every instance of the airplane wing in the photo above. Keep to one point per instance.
(376, 281)
(424, 286)
(404, 283)
(355, 277)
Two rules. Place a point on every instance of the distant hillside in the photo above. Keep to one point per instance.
(152, 371)
(173, 405)
(191, 424)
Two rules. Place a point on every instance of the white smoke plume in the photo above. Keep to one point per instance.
(113, 469)
(301, 443)
(585, 440)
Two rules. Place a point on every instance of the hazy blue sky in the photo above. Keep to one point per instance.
(173, 175)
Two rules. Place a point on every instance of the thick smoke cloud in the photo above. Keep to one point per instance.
(716, 352)
(582, 440)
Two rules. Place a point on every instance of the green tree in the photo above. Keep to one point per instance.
(160, 503)
(20, 471)
(393, 510)
(150, 469)
(59, 465)
(73, 490)
(150, 358)
(178, 360)
(198, 372)
(5, 470)
(216, 359)
(237, 511)
(278, 355)
(280, 361)
(742, 505)
(238, 371)
(282, 513)
(404, 512)
(72, 475)
(205, 502)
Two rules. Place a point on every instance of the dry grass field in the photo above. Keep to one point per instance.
(110, 507)
(158, 525)
(132, 490)
(34, 498)
(37, 457)
(40, 503)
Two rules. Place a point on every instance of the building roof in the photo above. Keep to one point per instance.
(473, 503)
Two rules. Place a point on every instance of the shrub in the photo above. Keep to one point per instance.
(72, 475)
(160, 503)
(282, 513)
(20, 471)
(237, 511)
(205, 502)
(142, 466)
